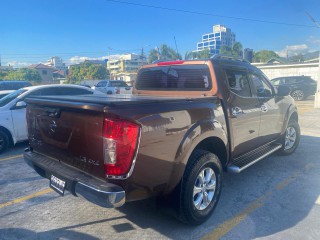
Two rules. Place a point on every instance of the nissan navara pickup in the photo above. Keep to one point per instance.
(186, 123)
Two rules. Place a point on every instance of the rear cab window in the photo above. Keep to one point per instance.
(193, 77)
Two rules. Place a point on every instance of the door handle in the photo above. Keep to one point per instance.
(264, 108)
(236, 111)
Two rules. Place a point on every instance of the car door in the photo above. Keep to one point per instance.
(102, 86)
(244, 112)
(271, 117)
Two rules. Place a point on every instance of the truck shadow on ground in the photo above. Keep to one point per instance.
(287, 205)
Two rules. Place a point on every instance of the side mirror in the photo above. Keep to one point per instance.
(20, 105)
(283, 91)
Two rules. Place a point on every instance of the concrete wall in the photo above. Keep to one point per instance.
(282, 70)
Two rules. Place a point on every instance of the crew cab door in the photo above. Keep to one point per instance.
(243, 112)
(271, 116)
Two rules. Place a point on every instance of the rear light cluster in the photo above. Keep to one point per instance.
(117, 90)
(120, 140)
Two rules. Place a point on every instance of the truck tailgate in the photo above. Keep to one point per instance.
(68, 135)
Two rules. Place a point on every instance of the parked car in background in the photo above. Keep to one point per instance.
(5, 93)
(113, 87)
(13, 109)
(301, 86)
(13, 84)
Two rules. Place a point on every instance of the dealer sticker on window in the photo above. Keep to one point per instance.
(57, 184)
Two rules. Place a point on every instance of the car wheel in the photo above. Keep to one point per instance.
(297, 95)
(201, 187)
(291, 138)
(4, 141)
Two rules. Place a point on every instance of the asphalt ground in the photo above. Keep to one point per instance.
(277, 198)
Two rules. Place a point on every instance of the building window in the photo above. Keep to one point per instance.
(200, 44)
(206, 44)
(44, 72)
(211, 35)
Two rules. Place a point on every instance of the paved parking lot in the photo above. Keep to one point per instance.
(277, 198)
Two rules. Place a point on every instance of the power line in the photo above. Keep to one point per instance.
(209, 14)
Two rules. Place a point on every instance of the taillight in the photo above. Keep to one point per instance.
(120, 140)
(117, 90)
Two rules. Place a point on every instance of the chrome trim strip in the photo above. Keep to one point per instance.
(235, 169)
(100, 197)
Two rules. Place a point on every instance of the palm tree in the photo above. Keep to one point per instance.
(163, 53)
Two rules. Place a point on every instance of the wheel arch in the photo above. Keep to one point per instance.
(214, 140)
(292, 113)
(6, 131)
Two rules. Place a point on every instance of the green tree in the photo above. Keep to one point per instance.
(87, 70)
(198, 54)
(264, 55)
(236, 50)
(164, 53)
(297, 58)
(26, 74)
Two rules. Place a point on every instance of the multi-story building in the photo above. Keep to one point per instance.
(56, 62)
(46, 72)
(221, 36)
(125, 67)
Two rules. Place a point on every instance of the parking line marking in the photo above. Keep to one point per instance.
(18, 200)
(12, 157)
(231, 223)
(228, 225)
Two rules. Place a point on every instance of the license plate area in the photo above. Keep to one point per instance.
(57, 184)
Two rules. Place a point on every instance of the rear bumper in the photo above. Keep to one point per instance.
(78, 183)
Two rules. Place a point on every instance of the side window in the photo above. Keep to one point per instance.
(262, 87)
(73, 91)
(238, 82)
(290, 80)
(102, 84)
(277, 82)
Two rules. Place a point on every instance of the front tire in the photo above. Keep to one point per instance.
(201, 187)
(4, 141)
(291, 138)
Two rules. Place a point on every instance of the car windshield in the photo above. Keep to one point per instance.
(5, 100)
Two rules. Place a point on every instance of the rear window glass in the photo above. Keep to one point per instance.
(175, 78)
(117, 84)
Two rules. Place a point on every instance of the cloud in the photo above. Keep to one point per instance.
(79, 59)
(313, 41)
(17, 64)
(294, 50)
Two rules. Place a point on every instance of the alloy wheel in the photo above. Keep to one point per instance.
(290, 138)
(204, 188)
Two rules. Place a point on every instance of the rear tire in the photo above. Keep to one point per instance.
(297, 95)
(200, 188)
(290, 139)
(4, 141)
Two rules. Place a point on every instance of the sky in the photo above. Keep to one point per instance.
(33, 31)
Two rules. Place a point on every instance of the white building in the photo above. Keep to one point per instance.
(56, 62)
(221, 36)
(125, 67)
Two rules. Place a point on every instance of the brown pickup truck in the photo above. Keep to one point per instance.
(186, 123)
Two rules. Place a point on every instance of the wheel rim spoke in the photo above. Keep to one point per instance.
(198, 201)
(196, 190)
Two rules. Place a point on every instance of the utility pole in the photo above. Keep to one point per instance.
(175, 42)
(317, 95)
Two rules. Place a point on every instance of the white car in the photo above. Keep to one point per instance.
(113, 87)
(13, 109)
